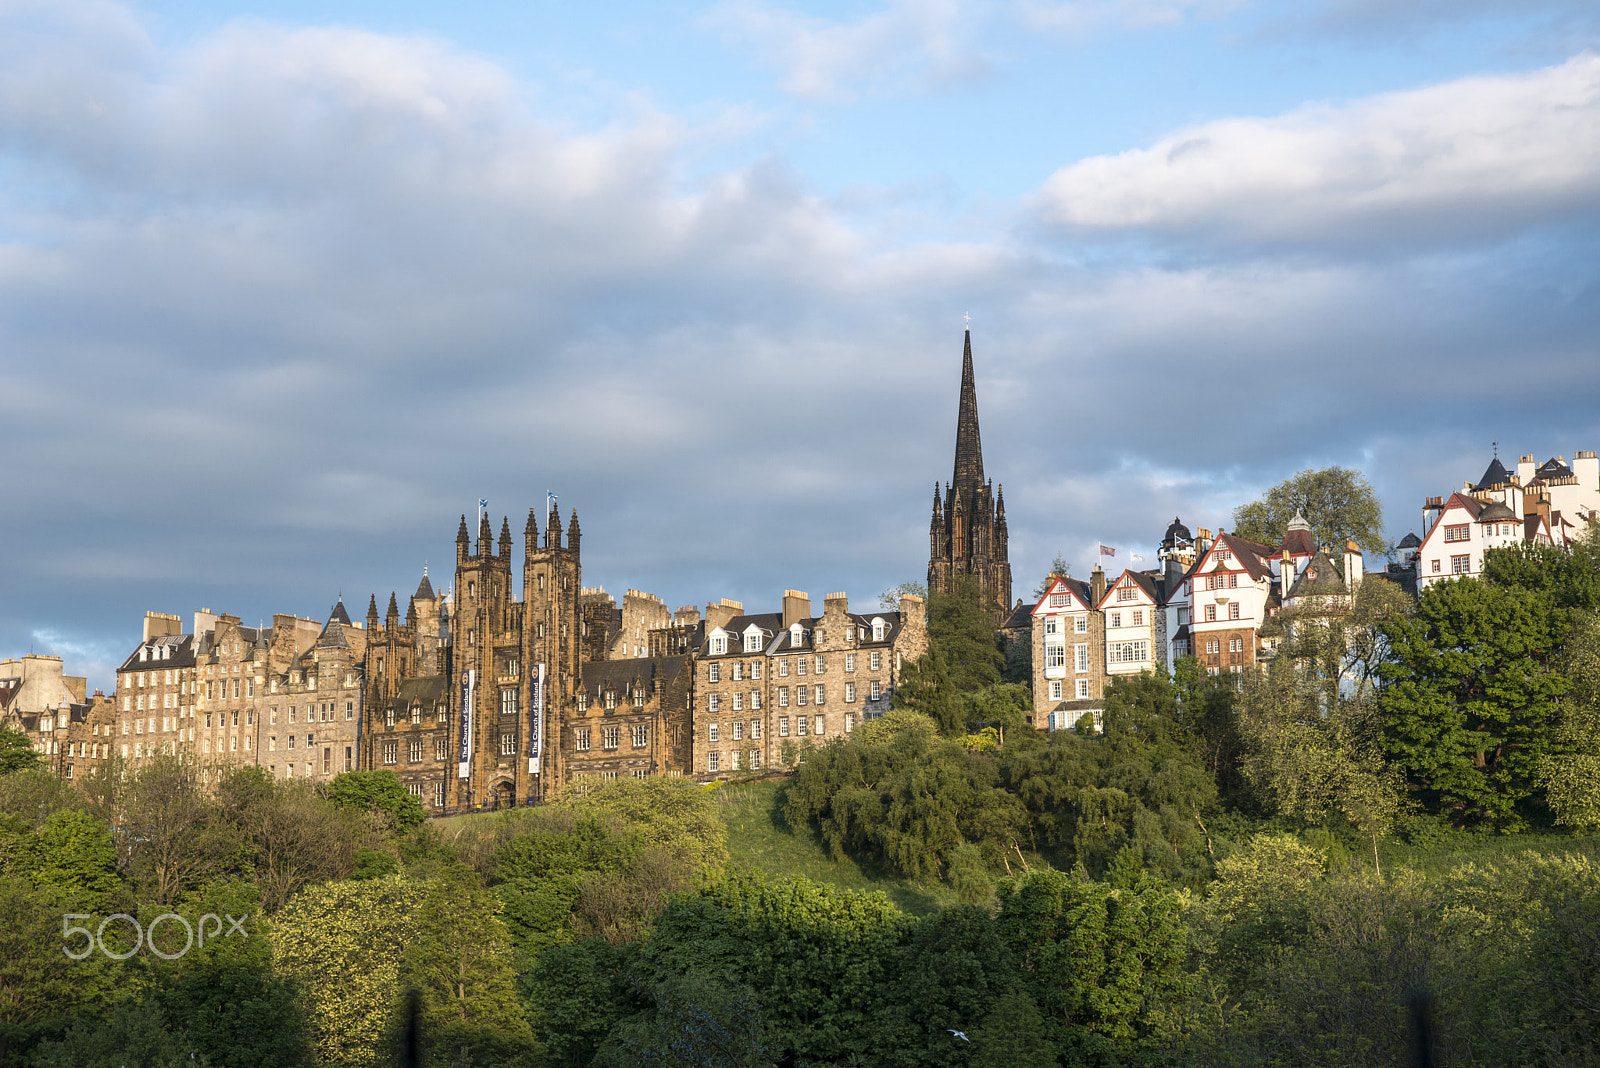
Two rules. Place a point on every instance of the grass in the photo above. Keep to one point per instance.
(759, 838)
(1455, 848)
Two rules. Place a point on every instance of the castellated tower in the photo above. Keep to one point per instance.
(967, 534)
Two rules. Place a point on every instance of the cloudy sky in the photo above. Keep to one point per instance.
(286, 287)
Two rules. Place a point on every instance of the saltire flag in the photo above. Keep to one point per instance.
(1106, 550)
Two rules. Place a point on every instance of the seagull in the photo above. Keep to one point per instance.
(962, 1035)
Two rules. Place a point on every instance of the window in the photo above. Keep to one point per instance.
(817, 726)
(1235, 645)
(1128, 652)
(875, 692)
(711, 732)
(849, 692)
(583, 700)
(755, 669)
(416, 712)
(1458, 532)
(1081, 657)
(349, 759)
(441, 748)
(783, 697)
(1055, 656)
(611, 737)
(714, 673)
(712, 760)
(1436, 567)
(1212, 645)
(438, 795)
(1126, 593)
(391, 752)
(733, 760)
(783, 666)
(800, 665)
(640, 735)
(1083, 688)
(738, 702)
(1211, 613)
(582, 739)
(755, 699)
(738, 671)
(800, 694)
(1460, 565)
(1080, 624)
(849, 661)
(1138, 617)
(849, 722)
(819, 696)
(715, 703)
(877, 661)
(879, 630)
(1055, 690)
(1233, 610)
(783, 726)
(797, 636)
(801, 724)
(822, 666)
(1116, 619)
(508, 744)
(414, 750)
(752, 642)
(508, 704)
(1058, 600)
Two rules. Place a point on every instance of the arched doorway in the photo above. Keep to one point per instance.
(502, 794)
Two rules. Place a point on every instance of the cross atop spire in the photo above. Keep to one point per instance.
(969, 448)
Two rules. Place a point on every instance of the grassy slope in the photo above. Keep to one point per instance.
(758, 838)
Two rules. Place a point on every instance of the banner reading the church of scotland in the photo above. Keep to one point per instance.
(468, 678)
(535, 719)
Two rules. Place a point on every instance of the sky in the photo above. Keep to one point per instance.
(286, 288)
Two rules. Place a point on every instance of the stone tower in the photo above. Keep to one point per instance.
(967, 535)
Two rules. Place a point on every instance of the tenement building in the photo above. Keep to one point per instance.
(967, 534)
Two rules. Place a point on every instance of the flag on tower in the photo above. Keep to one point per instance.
(1106, 550)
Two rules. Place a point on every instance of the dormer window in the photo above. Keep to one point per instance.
(796, 636)
(879, 628)
(752, 640)
(719, 644)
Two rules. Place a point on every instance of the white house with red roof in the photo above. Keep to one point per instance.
(1068, 652)
(1550, 503)
(1135, 623)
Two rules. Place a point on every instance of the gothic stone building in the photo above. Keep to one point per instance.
(967, 535)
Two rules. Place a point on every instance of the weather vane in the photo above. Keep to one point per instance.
(968, 318)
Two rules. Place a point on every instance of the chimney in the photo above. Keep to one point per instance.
(687, 616)
(718, 614)
(161, 625)
(835, 603)
(1586, 467)
(1430, 513)
(1097, 586)
(1355, 566)
(1202, 541)
(796, 605)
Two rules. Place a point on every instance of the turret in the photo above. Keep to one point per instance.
(552, 532)
(574, 532)
(485, 536)
(530, 533)
(461, 540)
(505, 537)
(392, 618)
(372, 613)
(411, 612)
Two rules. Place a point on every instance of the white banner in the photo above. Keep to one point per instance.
(468, 678)
(535, 719)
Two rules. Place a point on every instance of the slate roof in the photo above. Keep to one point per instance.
(339, 615)
(1493, 475)
(424, 589)
(1176, 530)
(1496, 512)
(1553, 468)
(1321, 578)
(1021, 617)
(769, 623)
(182, 655)
(1410, 541)
(652, 675)
(423, 688)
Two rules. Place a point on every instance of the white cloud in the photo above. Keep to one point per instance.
(1474, 158)
(917, 44)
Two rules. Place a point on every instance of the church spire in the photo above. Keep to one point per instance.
(969, 448)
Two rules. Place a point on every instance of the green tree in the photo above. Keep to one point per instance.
(925, 689)
(1338, 502)
(1013, 1036)
(288, 834)
(134, 1033)
(696, 1022)
(1570, 773)
(1059, 568)
(71, 853)
(168, 836)
(961, 628)
(16, 752)
(343, 943)
(952, 970)
(1470, 697)
(577, 994)
(378, 792)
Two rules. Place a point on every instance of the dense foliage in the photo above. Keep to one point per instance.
(1337, 502)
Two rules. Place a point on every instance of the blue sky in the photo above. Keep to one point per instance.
(285, 288)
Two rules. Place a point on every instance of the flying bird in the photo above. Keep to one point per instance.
(962, 1035)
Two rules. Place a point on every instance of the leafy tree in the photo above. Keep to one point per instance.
(1470, 697)
(71, 853)
(820, 957)
(925, 689)
(1013, 1036)
(16, 752)
(676, 814)
(695, 1022)
(576, 995)
(1338, 502)
(289, 835)
(37, 979)
(889, 599)
(1568, 577)
(1101, 964)
(135, 1033)
(953, 968)
(378, 792)
(962, 629)
(168, 836)
(1570, 774)
(343, 943)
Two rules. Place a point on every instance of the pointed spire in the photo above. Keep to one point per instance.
(393, 615)
(1000, 502)
(969, 448)
(461, 535)
(411, 612)
(573, 530)
(505, 537)
(485, 536)
(938, 509)
(552, 528)
(372, 613)
(530, 533)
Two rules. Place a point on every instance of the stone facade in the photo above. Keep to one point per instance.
(967, 536)
(69, 728)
